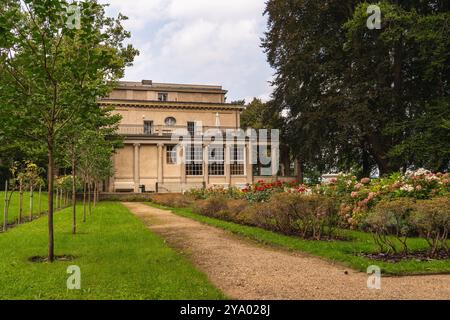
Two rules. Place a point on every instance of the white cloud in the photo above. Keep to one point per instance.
(199, 41)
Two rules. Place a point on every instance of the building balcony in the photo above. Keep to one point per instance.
(167, 131)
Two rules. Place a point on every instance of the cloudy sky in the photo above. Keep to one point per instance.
(200, 42)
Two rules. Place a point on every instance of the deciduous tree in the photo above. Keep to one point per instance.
(57, 70)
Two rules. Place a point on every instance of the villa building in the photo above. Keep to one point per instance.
(156, 117)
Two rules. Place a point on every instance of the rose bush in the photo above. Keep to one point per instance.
(355, 199)
(358, 198)
(261, 191)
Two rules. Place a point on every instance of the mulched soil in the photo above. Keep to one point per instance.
(57, 258)
(413, 256)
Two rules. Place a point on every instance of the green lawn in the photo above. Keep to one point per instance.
(343, 252)
(118, 256)
(13, 213)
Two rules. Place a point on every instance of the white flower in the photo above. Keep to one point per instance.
(407, 188)
(417, 173)
(431, 178)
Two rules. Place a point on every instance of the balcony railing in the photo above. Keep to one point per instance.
(167, 131)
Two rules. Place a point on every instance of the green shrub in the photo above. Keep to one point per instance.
(125, 197)
(306, 216)
(236, 207)
(432, 220)
(216, 191)
(172, 200)
(278, 219)
(246, 216)
(215, 207)
(391, 218)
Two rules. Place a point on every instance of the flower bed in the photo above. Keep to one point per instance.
(356, 198)
(393, 209)
(258, 192)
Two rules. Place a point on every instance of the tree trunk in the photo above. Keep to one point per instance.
(84, 201)
(31, 203)
(95, 194)
(89, 197)
(56, 198)
(366, 170)
(286, 160)
(94, 200)
(299, 170)
(51, 251)
(39, 201)
(5, 212)
(61, 198)
(378, 150)
(20, 202)
(98, 192)
(74, 196)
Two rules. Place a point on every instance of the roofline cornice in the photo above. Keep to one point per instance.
(170, 104)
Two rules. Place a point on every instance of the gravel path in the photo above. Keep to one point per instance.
(245, 270)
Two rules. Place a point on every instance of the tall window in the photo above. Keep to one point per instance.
(171, 154)
(216, 161)
(263, 167)
(194, 160)
(162, 96)
(191, 128)
(237, 157)
(148, 127)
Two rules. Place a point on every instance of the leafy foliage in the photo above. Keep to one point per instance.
(391, 218)
(52, 74)
(432, 220)
(357, 99)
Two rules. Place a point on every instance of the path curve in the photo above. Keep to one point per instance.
(245, 270)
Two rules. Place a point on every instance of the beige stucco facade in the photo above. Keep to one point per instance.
(150, 162)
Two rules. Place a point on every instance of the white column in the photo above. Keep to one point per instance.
(160, 163)
(249, 162)
(182, 160)
(206, 165)
(228, 164)
(137, 178)
(111, 180)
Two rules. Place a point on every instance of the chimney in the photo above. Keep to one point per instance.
(147, 82)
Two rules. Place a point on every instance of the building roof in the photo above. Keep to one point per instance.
(149, 85)
(146, 85)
